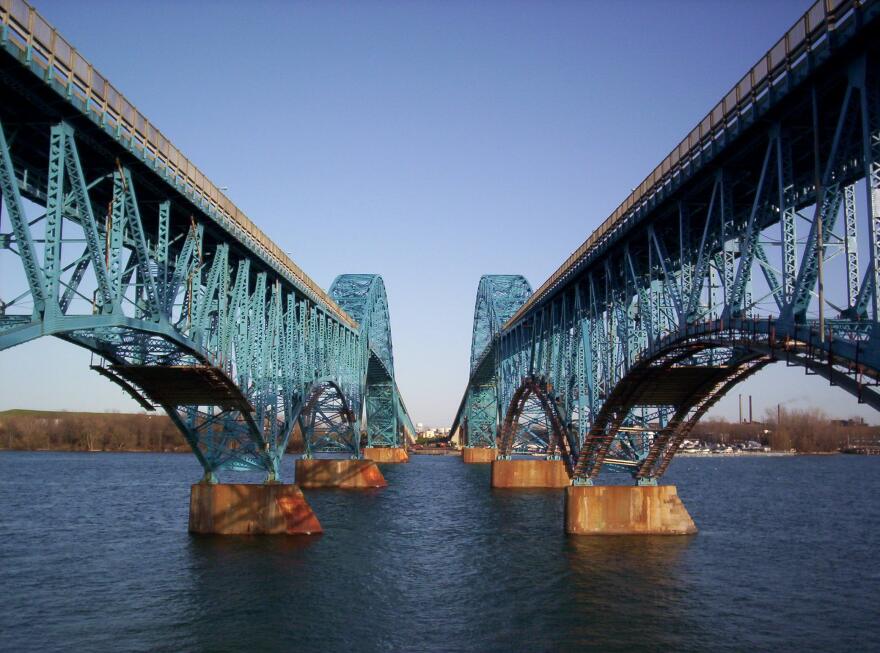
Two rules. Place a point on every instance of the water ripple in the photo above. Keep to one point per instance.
(94, 555)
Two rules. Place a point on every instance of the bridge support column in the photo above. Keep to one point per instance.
(247, 509)
(386, 454)
(338, 473)
(529, 473)
(478, 454)
(626, 510)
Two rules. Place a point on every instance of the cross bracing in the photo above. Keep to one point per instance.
(112, 240)
(755, 241)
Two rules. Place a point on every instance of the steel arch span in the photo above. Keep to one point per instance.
(756, 240)
(498, 298)
(112, 240)
(329, 425)
(533, 424)
(363, 297)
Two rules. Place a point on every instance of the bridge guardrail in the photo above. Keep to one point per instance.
(27, 30)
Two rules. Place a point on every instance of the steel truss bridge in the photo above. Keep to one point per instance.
(112, 240)
(756, 240)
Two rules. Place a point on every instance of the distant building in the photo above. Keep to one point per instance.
(433, 433)
(855, 421)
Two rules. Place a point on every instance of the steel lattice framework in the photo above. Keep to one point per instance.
(756, 240)
(113, 241)
(498, 298)
(362, 296)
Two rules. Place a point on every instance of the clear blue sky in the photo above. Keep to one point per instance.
(428, 142)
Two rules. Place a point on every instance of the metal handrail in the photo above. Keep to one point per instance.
(27, 30)
(809, 30)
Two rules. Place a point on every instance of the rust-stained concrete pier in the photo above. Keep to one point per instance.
(478, 454)
(529, 474)
(338, 473)
(626, 510)
(249, 509)
(386, 454)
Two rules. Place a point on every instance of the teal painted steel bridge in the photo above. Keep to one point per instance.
(756, 240)
(117, 243)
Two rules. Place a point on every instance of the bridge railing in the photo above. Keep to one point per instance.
(810, 31)
(28, 31)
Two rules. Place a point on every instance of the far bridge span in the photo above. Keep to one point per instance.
(111, 239)
(756, 240)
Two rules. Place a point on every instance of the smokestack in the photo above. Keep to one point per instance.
(740, 409)
(750, 409)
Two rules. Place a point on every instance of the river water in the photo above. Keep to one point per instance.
(95, 556)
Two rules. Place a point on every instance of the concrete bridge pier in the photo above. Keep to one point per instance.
(249, 509)
(626, 510)
(347, 474)
(386, 454)
(478, 454)
(524, 473)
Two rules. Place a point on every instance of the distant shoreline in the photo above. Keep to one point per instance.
(750, 454)
(453, 452)
(2, 449)
(178, 453)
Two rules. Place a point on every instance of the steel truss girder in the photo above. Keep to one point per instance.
(481, 416)
(375, 397)
(533, 424)
(329, 425)
(499, 296)
(154, 291)
(11, 197)
(381, 410)
(635, 295)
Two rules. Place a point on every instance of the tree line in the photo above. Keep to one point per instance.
(809, 430)
(63, 431)
(28, 430)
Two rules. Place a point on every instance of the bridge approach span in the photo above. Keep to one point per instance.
(756, 240)
(111, 239)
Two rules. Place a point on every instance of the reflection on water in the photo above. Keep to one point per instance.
(437, 561)
(649, 558)
(222, 550)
